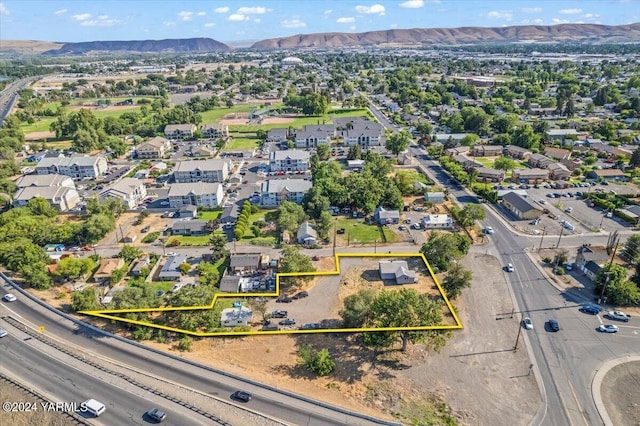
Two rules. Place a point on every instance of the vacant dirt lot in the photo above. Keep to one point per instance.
(621, 393)
(268, 120)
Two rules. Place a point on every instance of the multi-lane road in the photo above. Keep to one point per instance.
(9, 96)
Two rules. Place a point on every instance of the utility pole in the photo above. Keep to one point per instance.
(542, 238)
(334, 238)
(375, 246)
(561, 232)
(608, 274)
(515, 347)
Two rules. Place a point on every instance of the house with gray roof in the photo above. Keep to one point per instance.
(489, 174)
(277, 135)
(61, 198)
(157, 147)
(45, 180)
(242, 263)
(306, 234)
(292, 160)
(538, 160)
(364, 134)
(397, 271)
(179, 131)
(76, 167)
(212, 170)
(520, 206)
(171, 269)
(558, 171)
(311, 136)
(487, 150)
(215, 131)
(130, 190)
(517, 152)
(274, 191)
(386, 217)
(531, 176)
(201, 194)
(189, 227)
(230, 284)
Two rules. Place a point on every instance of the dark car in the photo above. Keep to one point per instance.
(553, 325)
(287, 321)
(590, 309)
(270, 327)
(301, 295)
(279, 314)
(340, 231)
(283, 299)
(157, 415)
(241, 396)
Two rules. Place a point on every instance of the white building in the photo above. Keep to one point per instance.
(274, 191)
(289, 161)
(201, 194)
(153, 148)
(62, 198)
(312, 136)
(76, 167)
(437, 221)
(179, 131)
(130, 190)
(202, 171)
(45, 181)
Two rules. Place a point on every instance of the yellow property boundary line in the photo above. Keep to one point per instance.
(107, 314)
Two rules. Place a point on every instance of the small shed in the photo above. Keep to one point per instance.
(434, 197)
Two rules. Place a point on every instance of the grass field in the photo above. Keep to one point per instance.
(218, 113)
(43, 124)
(162, 285)
(298, 122)
(486, 161)
(199, 240)
(241, 143)
(209, 215)
(359, 232)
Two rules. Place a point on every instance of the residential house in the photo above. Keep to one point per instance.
(289, 161)
(157, 147)
(397, 271)
(306, 234)
(487, 150)
(212, 170)
(458, 150)
(187, 212)
(201, 194)
(558, 171)
(517, 152)
(76, 167)
(274, 191)
(450, 138)
(189, 227)
(520, 206)
(139, 265)
(487, 174)
(557, 153)
(44, 181)
(386, 217)
(236, 317)
(591, 270)
(530, 176)
(539, 161)
(435, 197)
(606, 174)
(355, 165)
(562, 134)
(130, 190)
(106, 268)
(201, 151)
(231, 284)
(571, 165)
(437, 221)
(179, 131)
(466, 162)
(215, 131)
(244, 263)
(278, 135)
(312, 136)
(171, 269)
(587, 253)
(59, 195)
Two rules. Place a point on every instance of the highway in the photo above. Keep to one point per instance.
(64, 383)
(272, 402)
(9, 96)
(566, 361)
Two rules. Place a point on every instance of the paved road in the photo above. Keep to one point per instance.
(271, 402)
(64, 383)
(9, 96)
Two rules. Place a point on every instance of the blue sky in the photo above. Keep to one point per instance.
(234, 20)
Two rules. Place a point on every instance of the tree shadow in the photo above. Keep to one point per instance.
(371, 275)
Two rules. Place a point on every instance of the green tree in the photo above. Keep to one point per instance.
(631, 250)
(117, 275)
(71, 268)
(323, 151)
(470, 213)
(40, 206)
(525, 137)
(290, 216)
(85, 300)
(318, 362)
(504, 123)
(355, 153)
(185, 268)
(323, 225)
(357, 308)
(398, 142)
(442, 249)
(129, 253)
(218, 246)
(504, 163)
(292, 260)
(457, 278)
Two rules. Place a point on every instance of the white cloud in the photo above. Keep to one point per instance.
(209, 25)
(591, 15)
(352, 28)
(221, 10)
(328, 12)
(376, 9)
(185, 16)
(500, 14)
(258, 10)
(202, 13)
(169, 24)
(393, 26)
(257, 20)
(292, 23)
(81, 17)
(346, 20)
(60, 12)
(3, 9)
(559, 21)
(571, 11)
(531, 9)
(236, 17)
(412, 4)
(538, 21)
(101, 21)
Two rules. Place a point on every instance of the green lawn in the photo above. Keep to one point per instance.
(299, 122)
(199, 240)
(241, 143)
(162, 285)
(356, 231)
(485, 161)
(209, 215)
(218, 113)
(41, 125)
(103, 113)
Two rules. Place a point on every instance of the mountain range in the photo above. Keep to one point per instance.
(417, 37)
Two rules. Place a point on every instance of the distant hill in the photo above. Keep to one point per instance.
(585, 33)
(27, 47)
(141, 46)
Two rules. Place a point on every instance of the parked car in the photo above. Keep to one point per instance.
(568, 266)
(300, 295)
(270, 327)
(164, 203)
(310, 326)
(568, 210)
(608, 215)
(509, 267)
(283, 299)
(241, 396)
(617, 315)
(279, 314)
(9, 297)
(608, 328)
(157, 415)
(553, 325)
(171, 253)
(590, 309)
(527, 323)
(287, 321)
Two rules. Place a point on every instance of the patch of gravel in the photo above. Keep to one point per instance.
(621, 393)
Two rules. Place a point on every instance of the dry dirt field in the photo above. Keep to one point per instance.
(623, 407)
(11, 393)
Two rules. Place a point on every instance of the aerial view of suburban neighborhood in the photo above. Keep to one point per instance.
(419, 212)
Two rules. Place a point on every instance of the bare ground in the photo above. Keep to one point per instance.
(267, 120)
(621, 393)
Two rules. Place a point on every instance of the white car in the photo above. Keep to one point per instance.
(543, 201)
(527, 323)
(617, 315)
(9, 297)
(3, 332)
(510, 268)
(608, 328)
(172, 253)
(488, 230)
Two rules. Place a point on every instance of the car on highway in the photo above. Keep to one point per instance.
(156, 415)
(608, 328)
(527, 323)
(287, 321)
(9, 297)
(241, 396)
(617, 315)
(3, 332)
(590, 309)
(553, 325)
(509, 267)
